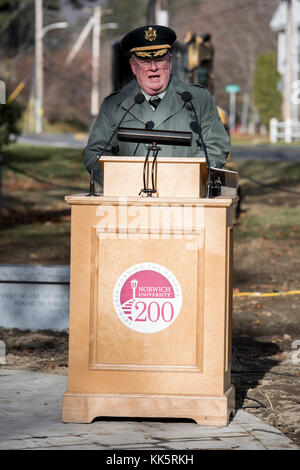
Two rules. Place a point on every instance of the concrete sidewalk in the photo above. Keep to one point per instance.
(30, 415)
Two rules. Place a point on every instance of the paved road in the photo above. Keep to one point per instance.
(268, 152)
(54, 140)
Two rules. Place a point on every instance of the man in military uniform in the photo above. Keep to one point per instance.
(169, 104)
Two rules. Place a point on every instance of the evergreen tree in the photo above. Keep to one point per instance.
(17, 22)
(267, 97)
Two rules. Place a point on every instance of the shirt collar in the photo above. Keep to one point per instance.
(161, 95)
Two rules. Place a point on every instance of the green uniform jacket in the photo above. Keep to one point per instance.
(172, 114)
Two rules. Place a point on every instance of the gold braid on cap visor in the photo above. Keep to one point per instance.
(149, 55)
(158, 50)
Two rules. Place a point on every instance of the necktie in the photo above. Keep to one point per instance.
(154, 101)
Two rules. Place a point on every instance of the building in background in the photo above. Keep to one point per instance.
(286, 23)
(288, 46)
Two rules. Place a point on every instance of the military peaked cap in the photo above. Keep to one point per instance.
(149, 41)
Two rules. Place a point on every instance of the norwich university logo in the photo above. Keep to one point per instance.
(147, 298)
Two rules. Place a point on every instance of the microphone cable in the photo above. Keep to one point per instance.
(138, 99)
(195, 126)
(149, 126)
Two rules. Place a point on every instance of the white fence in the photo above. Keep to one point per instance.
(288, 130)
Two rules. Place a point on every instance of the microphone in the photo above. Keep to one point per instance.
(186, 96)
(149, 126)
(195, 126)
(138, 99)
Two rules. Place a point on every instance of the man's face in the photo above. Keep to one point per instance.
(152, 75)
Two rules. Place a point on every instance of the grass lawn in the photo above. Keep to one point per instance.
(258, 139)
(270, 199)
(35, 226)
(241, 139)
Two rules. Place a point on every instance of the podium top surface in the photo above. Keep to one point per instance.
(111, 158)
(183, 178)
(84, 199)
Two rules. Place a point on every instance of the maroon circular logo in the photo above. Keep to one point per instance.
(147, 297)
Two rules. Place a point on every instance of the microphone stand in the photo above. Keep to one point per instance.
(155, 149)
(92, 185)
(213, 187)
(155, 137)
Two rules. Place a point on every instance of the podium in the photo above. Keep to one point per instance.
(151, 296)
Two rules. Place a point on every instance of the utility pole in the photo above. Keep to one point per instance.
(232, 110)
(80, 40)
(162, 13)
(97, 29)
(95, 61)
(38, 108)
(287, 91)
(94, 23)
(158, 12)
(39, 67)
(232, 89)
(245, 112)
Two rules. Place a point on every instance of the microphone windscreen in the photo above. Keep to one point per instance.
(195, 127)
(140, 98)
(186, 96)
(149, 125)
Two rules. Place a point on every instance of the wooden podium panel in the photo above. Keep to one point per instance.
(114, 345)
(132, 352)
(174, 177)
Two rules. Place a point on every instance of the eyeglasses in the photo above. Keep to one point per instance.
(146, 63)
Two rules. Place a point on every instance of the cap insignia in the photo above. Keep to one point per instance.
(150, 34)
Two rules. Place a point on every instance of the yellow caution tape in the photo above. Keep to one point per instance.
(270, 294)
(15, 93)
